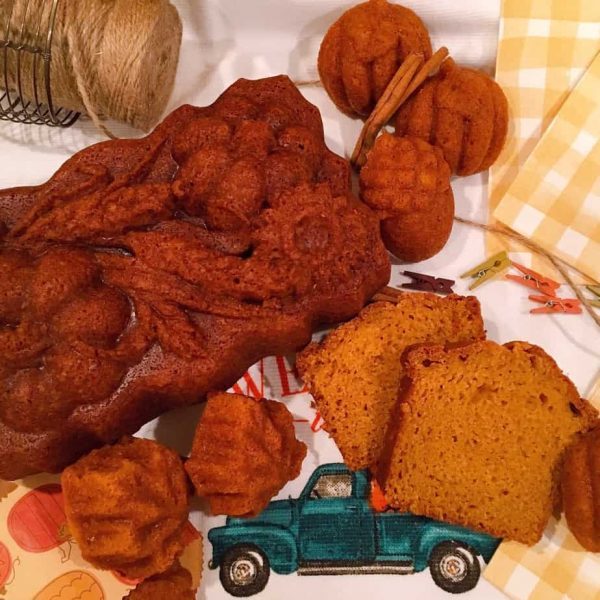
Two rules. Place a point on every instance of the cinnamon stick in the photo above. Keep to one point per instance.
(387, 294)
(392, 291)
(377, 119)
(428, 69)
(379, 297)
(411, 74)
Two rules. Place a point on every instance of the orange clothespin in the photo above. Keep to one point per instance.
(569, 306)
(534, 280)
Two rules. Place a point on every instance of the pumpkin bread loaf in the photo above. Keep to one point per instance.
(354, 373)
(245, 450)
(581, 489)
(478, 437)
(147, 272)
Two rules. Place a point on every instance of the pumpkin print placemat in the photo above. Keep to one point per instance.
(38, 558)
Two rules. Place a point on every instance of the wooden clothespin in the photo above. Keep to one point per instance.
(488, 269)
(569, 306)
(595, 289)
(534, 280)
(428, 283)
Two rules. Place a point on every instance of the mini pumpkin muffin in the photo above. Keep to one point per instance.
(127, 506)
(581, 489)
(174, 584)
(407, 182)
(244, 451)
(462, 111)
(363, 49)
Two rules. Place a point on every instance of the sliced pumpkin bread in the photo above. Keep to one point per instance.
(354, 373)
(478, 437)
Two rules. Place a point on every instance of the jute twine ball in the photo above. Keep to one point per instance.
(110, 58)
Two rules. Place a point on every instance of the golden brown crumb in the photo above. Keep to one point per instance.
(478, 436)
(354, 374)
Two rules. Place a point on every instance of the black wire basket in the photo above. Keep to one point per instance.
(25, 61)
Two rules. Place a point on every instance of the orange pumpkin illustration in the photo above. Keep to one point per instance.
(5, 564)
(37, 521)
(74, 585)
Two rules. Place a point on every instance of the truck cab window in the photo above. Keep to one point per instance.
(333, 485)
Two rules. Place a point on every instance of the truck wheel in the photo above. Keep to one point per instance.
(244, 570)
(454, 567)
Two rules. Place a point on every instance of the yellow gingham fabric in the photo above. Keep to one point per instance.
(544, 47)
(555, 198)
(557, 568)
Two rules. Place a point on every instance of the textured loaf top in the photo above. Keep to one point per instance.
(354, 374)
(147, 272)
(478, 437)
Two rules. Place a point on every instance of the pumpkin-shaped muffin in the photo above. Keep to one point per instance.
(462, 111)
(245, 450)
(581, 489)
(127, 506)
(363, 49)
(407, 182)
(174, 584)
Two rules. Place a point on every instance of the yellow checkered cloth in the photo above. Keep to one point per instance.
(555, 198)
(544, 48)
(557, 568)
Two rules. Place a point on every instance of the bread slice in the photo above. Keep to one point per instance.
(478, 436)
(354, 374)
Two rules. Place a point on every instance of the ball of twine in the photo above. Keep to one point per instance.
(110, 58)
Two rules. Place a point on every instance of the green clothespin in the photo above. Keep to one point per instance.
(595, 289)
(488, 269)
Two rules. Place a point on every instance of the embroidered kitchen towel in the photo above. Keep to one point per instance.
(544, 47)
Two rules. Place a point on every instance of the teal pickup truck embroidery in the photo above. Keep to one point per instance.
(331, 529)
